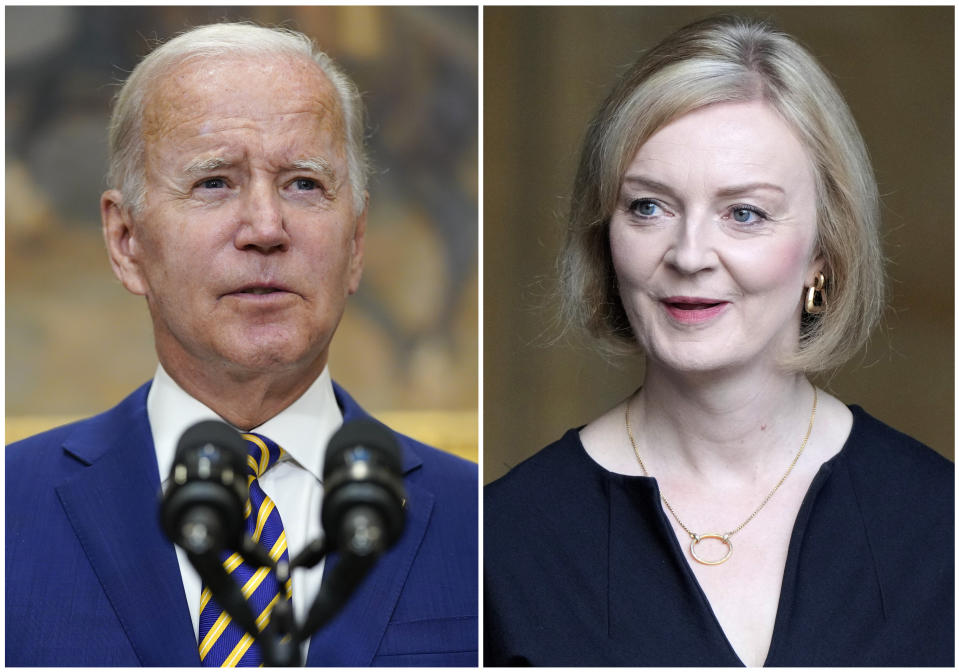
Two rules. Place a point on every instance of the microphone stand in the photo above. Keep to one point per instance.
(280, 640)
(202, 512)
(364, 543)
(276, 641)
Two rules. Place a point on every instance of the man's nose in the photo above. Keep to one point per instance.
(262, 225)
(691, 249)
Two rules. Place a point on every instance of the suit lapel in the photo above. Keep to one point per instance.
(352, 638)
(112, 505)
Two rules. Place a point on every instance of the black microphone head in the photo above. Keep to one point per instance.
(198, 438)
(202, 509)
(358, 436)
(362, 476)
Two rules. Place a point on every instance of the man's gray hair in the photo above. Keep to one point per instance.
(126, 144)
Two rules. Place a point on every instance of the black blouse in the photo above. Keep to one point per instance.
(582, 566)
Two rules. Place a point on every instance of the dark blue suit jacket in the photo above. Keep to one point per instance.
(91, 580)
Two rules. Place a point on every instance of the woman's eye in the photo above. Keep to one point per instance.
(747, 215)
(644, 207)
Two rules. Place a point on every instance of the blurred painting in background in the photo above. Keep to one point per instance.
(77, 342)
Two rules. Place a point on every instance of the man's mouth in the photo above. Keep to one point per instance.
(259, 290)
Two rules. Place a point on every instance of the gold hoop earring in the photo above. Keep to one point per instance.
(812, 307)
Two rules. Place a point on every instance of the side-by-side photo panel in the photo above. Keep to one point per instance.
(718, 336)
(242, 336)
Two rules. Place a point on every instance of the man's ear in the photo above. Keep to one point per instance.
(357, 244)
(121, 241)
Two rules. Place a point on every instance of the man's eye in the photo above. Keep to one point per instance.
(213, 183)
(305, 184)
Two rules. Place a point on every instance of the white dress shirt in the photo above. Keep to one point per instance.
(294, 483)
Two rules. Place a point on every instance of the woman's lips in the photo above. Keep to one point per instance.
(692, 309)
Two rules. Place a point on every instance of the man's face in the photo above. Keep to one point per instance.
(248, 244)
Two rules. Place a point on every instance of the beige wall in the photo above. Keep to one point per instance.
(545, 71)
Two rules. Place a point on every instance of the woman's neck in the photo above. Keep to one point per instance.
(723, 426)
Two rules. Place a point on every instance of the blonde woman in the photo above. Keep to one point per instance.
(724, 224)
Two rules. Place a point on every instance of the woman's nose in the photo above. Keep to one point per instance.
(691, 249)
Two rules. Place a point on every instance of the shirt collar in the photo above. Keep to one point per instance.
(302, 429)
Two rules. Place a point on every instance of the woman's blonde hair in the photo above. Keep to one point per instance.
(718, 60)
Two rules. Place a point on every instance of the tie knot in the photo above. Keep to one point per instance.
(263, 454)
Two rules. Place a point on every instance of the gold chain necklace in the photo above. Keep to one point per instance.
(696, 538)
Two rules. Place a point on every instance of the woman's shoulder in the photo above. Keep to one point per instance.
(558, 482)
(900, 482)
(904, 495)
(882, 450)
(556, 464)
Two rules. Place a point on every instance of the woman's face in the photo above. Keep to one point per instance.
(714, 238)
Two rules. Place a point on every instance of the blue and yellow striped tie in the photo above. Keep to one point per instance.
(223, 643)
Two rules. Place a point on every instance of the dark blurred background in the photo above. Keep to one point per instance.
(545, 72)
(77, 342)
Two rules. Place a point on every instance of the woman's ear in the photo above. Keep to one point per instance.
(816, 265)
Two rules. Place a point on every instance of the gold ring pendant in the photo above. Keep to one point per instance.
(721, 537)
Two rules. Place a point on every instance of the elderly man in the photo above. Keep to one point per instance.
(238, 210)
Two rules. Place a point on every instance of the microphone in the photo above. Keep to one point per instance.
(202, 509)
(363, 489)
(362, 512)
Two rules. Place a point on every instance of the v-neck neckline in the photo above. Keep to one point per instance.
(790, 569)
